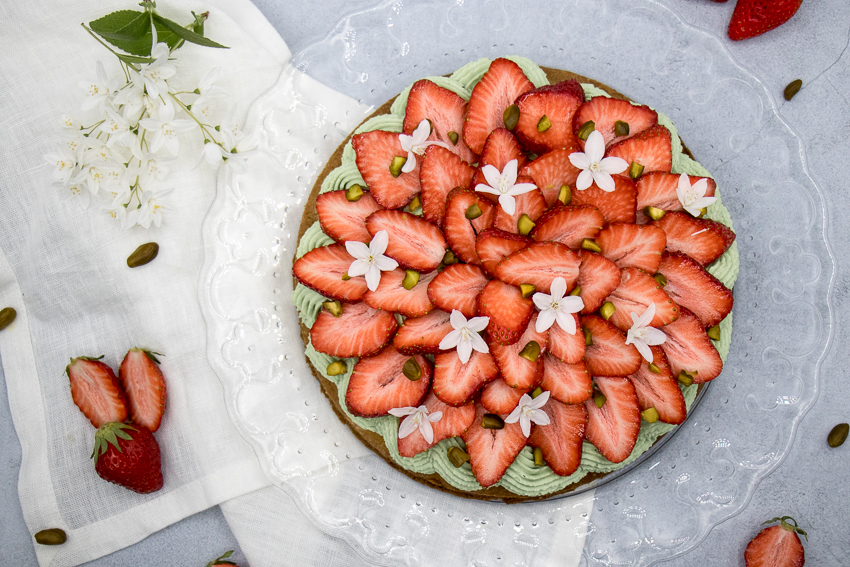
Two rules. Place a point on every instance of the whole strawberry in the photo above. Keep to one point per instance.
(754, 17)
(128, 456)
(777, 546)
(222, 561)
(144, 385)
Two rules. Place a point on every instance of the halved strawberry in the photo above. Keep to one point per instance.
(454, 422)
(391, 294)
(359, 331)
(498, 397)
(777, 546)
(457, 287)
(609, 355)
(441, 171)
(321, 269)
(568, 347)
(688, 348)
(413, 242)
(494, 245)
(509, 313)
(689, 285)
(561, 440)
(557, 104)
(144, 386)
(96, 390)
(660, 391)
(568, 383)
(651, 148)
(518, 372)
(500, 86)
(501, 147)
(456, 382)
(423, 334)
(344, 220)
(378, 384)
(636, 291)
(616, 206)
(532, 204)
(445, 110)
(375, 152)
(658, 189)
(461, 232)
(597, 277)
(539, 264)
(569, 225)
(633, 246)
(614, 427)
(552, 170)
(703, 240)
(605, 112)
(491, 451)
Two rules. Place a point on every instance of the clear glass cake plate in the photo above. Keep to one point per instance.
(707, 469)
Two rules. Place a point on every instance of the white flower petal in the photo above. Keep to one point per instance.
(477, 324)
(410, 164)
(357, 249)
(580, 160)
(584, 180)
(703, 202)
(451, 340)
(435, 417)
(492, 175)
(464, 350)
(422, 132)
(540, 417)
(558, 288)
(379, 242)
(513, 417)
(521, 188)
(571, 304)
(427, 431)
(358, 268)
(654, 336)
(525, 424)
(694, 211)
(407, 427)
(566, 321)
(508, 203)
(539, 401)
(647, 316)
(644, 350)
(545, 319)
(457, 320)
(406, 142)
(373, 277)
(594, 147)
(478, 343)
(542, 300)
(604, 181)
(510, 171)
(401, 412)
(385, 263)
(613, 165)
(481, 188)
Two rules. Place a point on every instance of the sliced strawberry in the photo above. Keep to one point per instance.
(359, 331)
(568, 347)
(558, 104)
(414, 242)
(614, 427)
(539, 264)
(517, 372)
(509, 313)
(651, 148)
(689, 285)
(633, 246)
(532, 204)
(498, 397)
(569, 225)
(441, 171)
(494, 245)
(616, 206)
(568, 383)
(378, 384)
(423, 334)
(500, 86)
(703, 240)
(391, 294)
(776, 546)
(552, 170)
(457, 287)
(461, 232)
(445, 110)
(561, 440)
(501, 147)
(636, 291)
(660, 391)
(688, 348)
(609, 355)
(456, 382)
(344, 220)
(142, 382)
(597, 277)
(605, 112)
(321, 269)
(455, 421)
(658, 189)
(491, 451)
(96, 391)
(375, 152)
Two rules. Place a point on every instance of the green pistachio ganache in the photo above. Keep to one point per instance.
(522, 477)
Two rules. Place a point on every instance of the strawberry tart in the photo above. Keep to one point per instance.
(512, 281)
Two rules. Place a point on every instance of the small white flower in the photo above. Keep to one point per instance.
(212, 153)
(64, 163)
(120, 210)
(594, 167)
(370, 260)
(117, 128)
(642, 335)
(528, 411)
(416, 144)
(465, 335)
(70, 122)
(165, 128)
(417, 418)
(155, 74)
(208, 89)
(153, 206)
(234, 138)
(98, 89)
(556, 307)
(503, 183)
(98, 175)
(75, 142)
(76, 192)
(693, 196)
(131, 100)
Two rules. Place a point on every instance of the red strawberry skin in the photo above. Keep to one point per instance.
(144, 386)
(775, 547)
(455, 421)
(457, 287)
(342, 219)
(456, 382)
(558, 103)
(491, 451)
(443, 108)
(378, 384)
(755, 17)
(441, 171)
(359, 331)
(652, 149)
(688, 348)
(567, 383)
(660, 391)
(616, 206)
(462, 233)
(509, 313)
(692, 287)
(561, 440)
(375, 151)
(703, 240)
(96, 391)
(413, 242)
(609, 355)
(539, 264)
(633, 246)
(494, 245)
(605, 112)
(423, 334)
(614, 427)
(636, 291)
(135, 463)
(321, 269)
(391, 294)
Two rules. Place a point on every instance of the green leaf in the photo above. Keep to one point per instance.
(186, 34)
(123, 25)
(134, 59)
(141, 45)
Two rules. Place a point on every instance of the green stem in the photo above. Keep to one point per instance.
(198, 122)
(115, 53)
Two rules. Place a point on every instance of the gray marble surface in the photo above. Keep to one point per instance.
(811, 484)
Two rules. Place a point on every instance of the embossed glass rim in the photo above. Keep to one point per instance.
(602, 521)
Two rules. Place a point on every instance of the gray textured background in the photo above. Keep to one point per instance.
(811, 485)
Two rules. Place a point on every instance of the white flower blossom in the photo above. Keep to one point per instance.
(165, 128)
(693, 196)
(212, 153)
(69, 122)
(556, 307)
(75, 142)
(98, 90)
(503, 183)
(594, 167)
(117, 128)
(153, 205)
(464, 335)
(208, 89)
(64, 163)
(157, 73)
(417, 418)
(97, 175)
(642, 335)
(416, 144)
(131, 100)
(370, 260)
(528, 411)
(76, 192)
